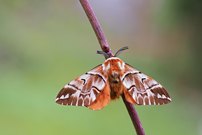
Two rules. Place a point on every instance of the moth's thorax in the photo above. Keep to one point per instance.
(114, 67)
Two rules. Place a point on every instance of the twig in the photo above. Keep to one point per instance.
(105, 47)
(134, 117)
(96, 27)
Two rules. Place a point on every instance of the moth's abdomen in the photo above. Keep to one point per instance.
(115, 90)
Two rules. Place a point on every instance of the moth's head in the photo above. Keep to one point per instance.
(113, 64)
(106, 55)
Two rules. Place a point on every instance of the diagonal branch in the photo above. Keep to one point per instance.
(134, 117)
(105, 47)
(96, 27)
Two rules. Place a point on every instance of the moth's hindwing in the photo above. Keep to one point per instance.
(142, 89)
(89, 90)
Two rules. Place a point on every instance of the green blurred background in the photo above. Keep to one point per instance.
(45, 44)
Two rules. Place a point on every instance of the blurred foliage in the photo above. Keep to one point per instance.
(188, 14)
(45, 44)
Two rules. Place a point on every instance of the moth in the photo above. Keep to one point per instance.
(109, 81)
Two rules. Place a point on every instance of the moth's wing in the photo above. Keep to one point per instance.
(90, 90)
(142, 89)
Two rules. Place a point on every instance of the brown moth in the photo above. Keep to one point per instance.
(109, 81)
